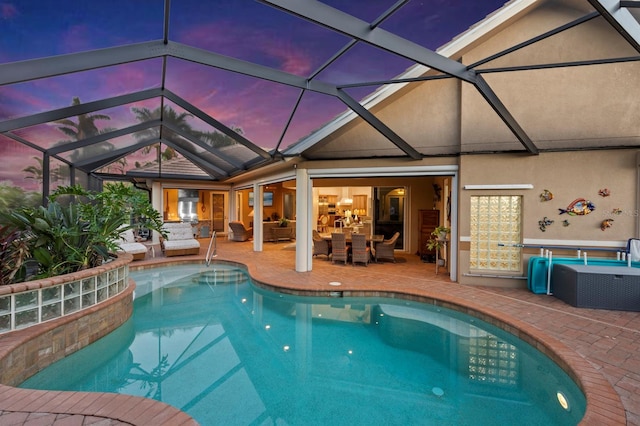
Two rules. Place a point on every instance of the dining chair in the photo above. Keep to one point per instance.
(320, 245)
(339, 248)
(360, 252)
(385, 249)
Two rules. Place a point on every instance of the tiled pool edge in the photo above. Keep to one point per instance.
(603, 403)
(26, 351)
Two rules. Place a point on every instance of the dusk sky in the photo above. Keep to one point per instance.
(246, 30)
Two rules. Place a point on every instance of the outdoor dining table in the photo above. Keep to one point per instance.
(370, 238)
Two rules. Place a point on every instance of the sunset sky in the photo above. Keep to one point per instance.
(243, 29)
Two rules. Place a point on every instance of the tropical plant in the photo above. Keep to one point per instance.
(114, 200)
(13, 197)
(13, 253)
(283, 222)
(84, 128)
(438, 238)
(79, 228)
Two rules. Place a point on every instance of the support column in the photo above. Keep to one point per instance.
(258, 209)
(304, 212)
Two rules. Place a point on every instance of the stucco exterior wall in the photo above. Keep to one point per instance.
(568, 175)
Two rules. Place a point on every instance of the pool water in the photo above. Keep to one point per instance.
(208, 342)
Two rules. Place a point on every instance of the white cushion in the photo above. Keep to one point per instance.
(178, 231)
(181, 244)
(127, 236)
(133, 248)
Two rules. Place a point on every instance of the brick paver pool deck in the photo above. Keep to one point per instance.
(602, 347)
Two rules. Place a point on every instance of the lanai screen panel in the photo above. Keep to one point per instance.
(50, 93)
(254, 32)
(46, 28)
(21, 165)
(258, 109)
(313, 111)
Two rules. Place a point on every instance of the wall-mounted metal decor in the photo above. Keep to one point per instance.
(604, 192)
(579, 207)
(565, 223)
(607, 223)
(542, 224)
(546, 195)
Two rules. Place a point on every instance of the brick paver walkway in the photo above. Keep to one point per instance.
(603, 347)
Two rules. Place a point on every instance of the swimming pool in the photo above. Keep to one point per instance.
(207, 341)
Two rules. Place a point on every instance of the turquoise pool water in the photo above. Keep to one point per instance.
(207, 341)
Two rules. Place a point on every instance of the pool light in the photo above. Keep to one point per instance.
(562, 400)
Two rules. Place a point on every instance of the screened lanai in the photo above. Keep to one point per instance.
(209, 90)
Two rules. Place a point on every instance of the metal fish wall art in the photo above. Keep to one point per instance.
(579, 207)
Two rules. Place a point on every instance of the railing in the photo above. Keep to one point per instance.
(213, 242)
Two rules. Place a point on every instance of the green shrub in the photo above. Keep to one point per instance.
(79, 228)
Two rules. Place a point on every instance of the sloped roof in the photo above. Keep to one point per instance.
(212, 86)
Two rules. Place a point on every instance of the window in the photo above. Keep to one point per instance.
(496, 220)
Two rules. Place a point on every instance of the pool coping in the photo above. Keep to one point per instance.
(604, 405)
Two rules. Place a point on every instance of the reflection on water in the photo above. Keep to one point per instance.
(228, 353)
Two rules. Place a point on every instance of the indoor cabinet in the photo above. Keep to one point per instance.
(360, 203)
(428, 222)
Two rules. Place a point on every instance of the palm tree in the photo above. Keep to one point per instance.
(83, 129)
(169, 115)
(35, 172)
(218, 140)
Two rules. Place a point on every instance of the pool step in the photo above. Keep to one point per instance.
(223, 276)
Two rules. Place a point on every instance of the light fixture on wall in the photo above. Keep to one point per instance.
(251, 213)
(501, 186)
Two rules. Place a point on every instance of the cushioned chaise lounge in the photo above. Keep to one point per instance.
(128, 244)
(180, 240)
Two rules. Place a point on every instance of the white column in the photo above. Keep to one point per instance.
(304, 212)
(258, 208)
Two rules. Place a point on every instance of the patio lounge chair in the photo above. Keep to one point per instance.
(385, 249)
(128, 244)
(320, 245)
(180, 240)
(240, 233)
(360, 252)
(339, 249)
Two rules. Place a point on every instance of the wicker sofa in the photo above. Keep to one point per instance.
(180, 240)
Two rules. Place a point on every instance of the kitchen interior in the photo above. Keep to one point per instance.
(204, 209)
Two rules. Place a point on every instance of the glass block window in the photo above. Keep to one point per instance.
(496, 220)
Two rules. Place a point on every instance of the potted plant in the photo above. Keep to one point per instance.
(439, 237)
(283, 222)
